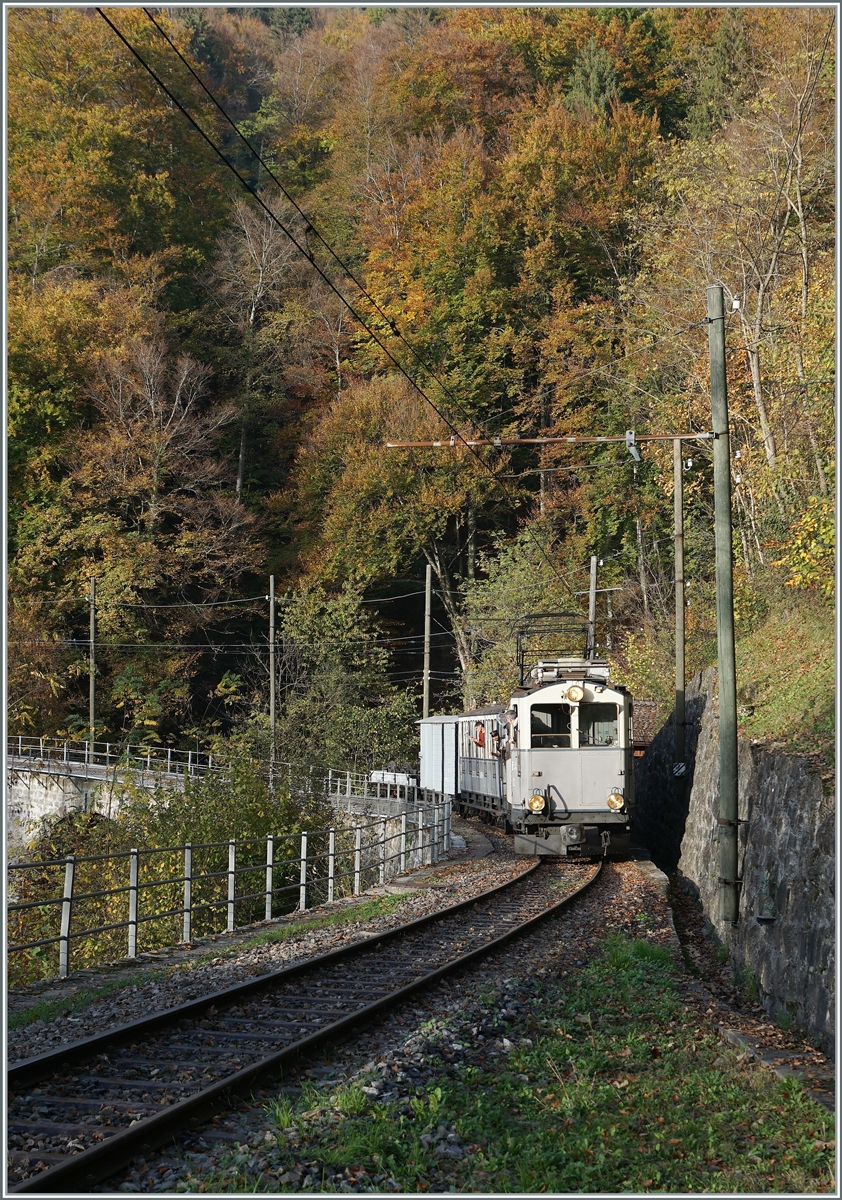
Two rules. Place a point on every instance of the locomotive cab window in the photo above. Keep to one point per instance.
(598, 725)
(550, 726)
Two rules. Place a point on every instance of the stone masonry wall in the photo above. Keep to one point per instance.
(787, 864)
(34, 796)
(786, 861)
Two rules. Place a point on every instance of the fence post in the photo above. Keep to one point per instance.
(383, 850)
(232, 879)
(66, 907)
(348, 784)
(169, 760)
(421, 850)
(188, 893)
(133, 879)
(358, 854)
(448, 815)
(331, 862)
(302, 880)
(434, 839)
(270, 865)
(403, 841)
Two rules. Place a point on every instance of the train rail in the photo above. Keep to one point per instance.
(79, 1113)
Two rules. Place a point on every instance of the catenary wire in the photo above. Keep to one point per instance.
(374, 337)
(312, 229)
(364, 292)
(347, 270)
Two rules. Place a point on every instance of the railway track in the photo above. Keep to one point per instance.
(79, 1113)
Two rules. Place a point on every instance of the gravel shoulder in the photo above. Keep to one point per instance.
(388, 1111)
(160, 979)
(475, 1030)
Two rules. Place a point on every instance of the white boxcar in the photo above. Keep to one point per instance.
(439, 757)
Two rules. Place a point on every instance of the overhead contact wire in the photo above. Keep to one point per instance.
(302, 250)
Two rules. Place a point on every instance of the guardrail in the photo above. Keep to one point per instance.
(111, 754)
(38, 753)
(245, 878)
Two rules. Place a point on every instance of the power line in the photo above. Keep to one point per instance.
(347, 270)
(126, 604)
(311, 227)
(374, 337)
(222, 647)
(389, 599)
(198, 604)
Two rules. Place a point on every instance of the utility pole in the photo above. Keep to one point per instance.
(273, 745)
(728, 767)
(428, 612)
(592, 610)
(92, 667)
(679, 765)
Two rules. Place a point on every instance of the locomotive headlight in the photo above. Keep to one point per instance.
(615, 801)
(575, 693)
(536, 803)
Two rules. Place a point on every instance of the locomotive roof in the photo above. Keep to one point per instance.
(527, 689)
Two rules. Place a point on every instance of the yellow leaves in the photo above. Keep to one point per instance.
(152, 190)
(811, 558)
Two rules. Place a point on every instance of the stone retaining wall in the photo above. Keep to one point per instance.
(786, 861)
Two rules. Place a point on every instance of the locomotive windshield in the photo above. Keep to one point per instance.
(551, 726)
(597, 725)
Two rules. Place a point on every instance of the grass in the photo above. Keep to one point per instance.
(380, 906)
(622, 1089)
(786, 680)
(48, 1010)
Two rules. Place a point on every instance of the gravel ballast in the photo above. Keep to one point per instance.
(219, 962)
(475, 1020)
(470, 1023)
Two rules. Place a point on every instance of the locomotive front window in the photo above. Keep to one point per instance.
(597, 725)
(551, 726)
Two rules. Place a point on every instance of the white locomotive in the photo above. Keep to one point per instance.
(555, 766)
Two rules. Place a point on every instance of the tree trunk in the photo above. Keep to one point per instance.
(641, 569)
(434, 556)
(472, 542)
(241, 466)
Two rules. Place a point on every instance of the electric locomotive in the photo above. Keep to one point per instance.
(555, 766)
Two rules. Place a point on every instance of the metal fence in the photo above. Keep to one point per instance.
(105, 906)
(111, 754)
(94, 760)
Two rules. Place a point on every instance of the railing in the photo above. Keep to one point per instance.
(353, 785)
(95, 760)
(247, 879)
(111, 754)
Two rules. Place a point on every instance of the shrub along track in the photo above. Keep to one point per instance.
(78, 1113)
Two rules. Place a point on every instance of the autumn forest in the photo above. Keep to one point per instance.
(400, 224)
